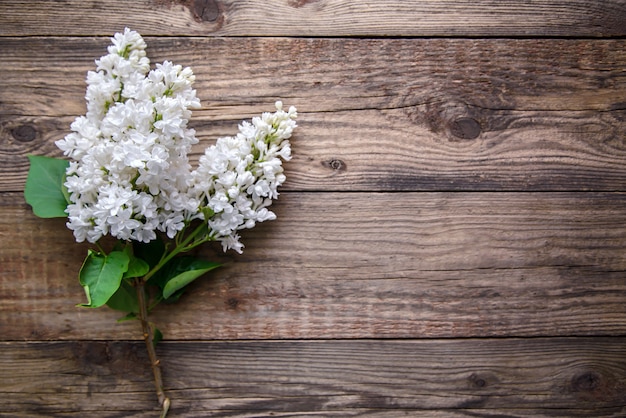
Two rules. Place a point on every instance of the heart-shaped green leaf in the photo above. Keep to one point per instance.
(101, 276)
(181, 271)
(44, 189)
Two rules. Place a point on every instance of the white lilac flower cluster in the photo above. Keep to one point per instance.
(131, 177)
(237, 178)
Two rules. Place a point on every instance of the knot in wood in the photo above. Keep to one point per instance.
(205, 10)
(299, 3)
(585, 382)
(465, 128)
(334, 164)
(232, 303)
(476, 381)
(24, 133)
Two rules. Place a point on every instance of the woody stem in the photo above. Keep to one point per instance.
(148, 336)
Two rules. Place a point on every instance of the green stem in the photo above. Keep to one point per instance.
(186, 245)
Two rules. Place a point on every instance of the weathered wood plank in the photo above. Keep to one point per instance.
(384, 275)
(578, 18)
(375, 114)
(361, 412)
(554, 377)
(357, 265)
(234, 76)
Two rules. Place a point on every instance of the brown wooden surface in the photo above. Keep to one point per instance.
(437, 114)
(336, 378)
(449, 243)
(317, 17)
(357, 265)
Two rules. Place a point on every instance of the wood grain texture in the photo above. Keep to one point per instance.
(554, 377)
(427, 115)
(449, 243)
(588, 18)
(355, 265)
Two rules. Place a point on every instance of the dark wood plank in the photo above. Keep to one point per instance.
(554, 377)
(587, 18)
(395, 114)
(357, 265)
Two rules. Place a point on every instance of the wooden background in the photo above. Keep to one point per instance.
(449, 243)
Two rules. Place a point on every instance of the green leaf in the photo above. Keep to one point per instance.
(128, 317)
(101, 276)
(44, 189)
(151, 252)
(124, 299)
(157, 335)
(181, 271)
(136, 267)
